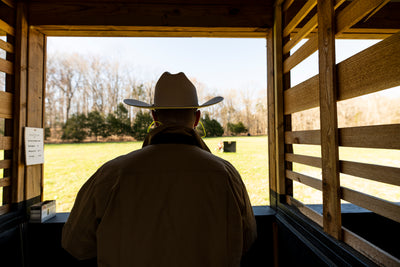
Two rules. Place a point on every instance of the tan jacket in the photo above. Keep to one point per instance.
(167, 204)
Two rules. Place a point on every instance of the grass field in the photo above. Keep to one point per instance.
(68, 166)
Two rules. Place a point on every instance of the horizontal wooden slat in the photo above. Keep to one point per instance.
(307, 160)
(369, 250)
(6, 66)
(382, 207)
(6, 105)
(5, 164)
(305, 30)
(303, 137)
(380, 136)
(9, 3)
(374, 69)
(304, 179)
(302, 96)
(6, 46)
(300, 15)
(302, 53)
(354, 12)
(5, 182)
(310, 213)
(5, 209)
(384, 174)
(6, 28)
(5, 142)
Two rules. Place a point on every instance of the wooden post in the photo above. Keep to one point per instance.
(35, 95)
(328, 117)
(272, 157)
(19, 112)
(278, 91)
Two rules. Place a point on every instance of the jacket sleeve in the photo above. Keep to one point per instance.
(248, 220)
(79, 232)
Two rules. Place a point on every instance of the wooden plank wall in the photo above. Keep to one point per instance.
(21, 103)
(372, 70)
(7, 61)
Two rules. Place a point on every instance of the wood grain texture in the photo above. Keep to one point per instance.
(258, 14)
(5, 164)
(384, 174)
(5, 182)
(6, 105)
(9, 3)
(354, 12)
(310, 213)
(300, 15)
(6, 46)
(328, 120)
(380, 206)
(5, 209)
(6, 142)
(6, 66)
(272, 156)
(304, 179)
(36, 55)
(5, 27)
(307, 160)
(374, 253)
(21, 62)
(302, 53)
(371, 70)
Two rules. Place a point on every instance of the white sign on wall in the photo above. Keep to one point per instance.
(34, 152)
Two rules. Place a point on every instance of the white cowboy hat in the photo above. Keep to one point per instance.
(174, 91)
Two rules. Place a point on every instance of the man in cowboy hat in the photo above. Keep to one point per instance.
(171, 203)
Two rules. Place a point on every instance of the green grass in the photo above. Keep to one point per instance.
(68, 166)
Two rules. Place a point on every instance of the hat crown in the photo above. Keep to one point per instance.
(175, 90)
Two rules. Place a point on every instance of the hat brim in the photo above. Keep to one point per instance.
(141, 104)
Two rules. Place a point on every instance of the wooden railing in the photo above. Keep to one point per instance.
(7, 32)
(373, 69)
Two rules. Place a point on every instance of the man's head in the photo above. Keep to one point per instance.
(185, 117)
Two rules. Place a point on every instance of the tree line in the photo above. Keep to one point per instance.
(84, 96)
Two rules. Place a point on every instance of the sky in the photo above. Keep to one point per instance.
(219, 63)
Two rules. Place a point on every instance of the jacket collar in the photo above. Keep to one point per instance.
(174, 134)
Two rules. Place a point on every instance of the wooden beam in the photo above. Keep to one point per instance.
(310, 213)
(307, 160)
(152, 31)
(377, 136)
(35, 95)
(366, 72)
(382, 207)
(328, 118)
(272, 156)
(5, 182)
(308, 6)
(305, 30)
(5, 142)
(6, 46)
(21, 66)
(6, 105)
(302, 53)
(6, 66)
(278, 91)
(257, 14)
(354, 12)
(5, 164)
(379, 256)
(383, 174)
(304, 179)
(9, 3)
(286, 4)
(5, 27)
